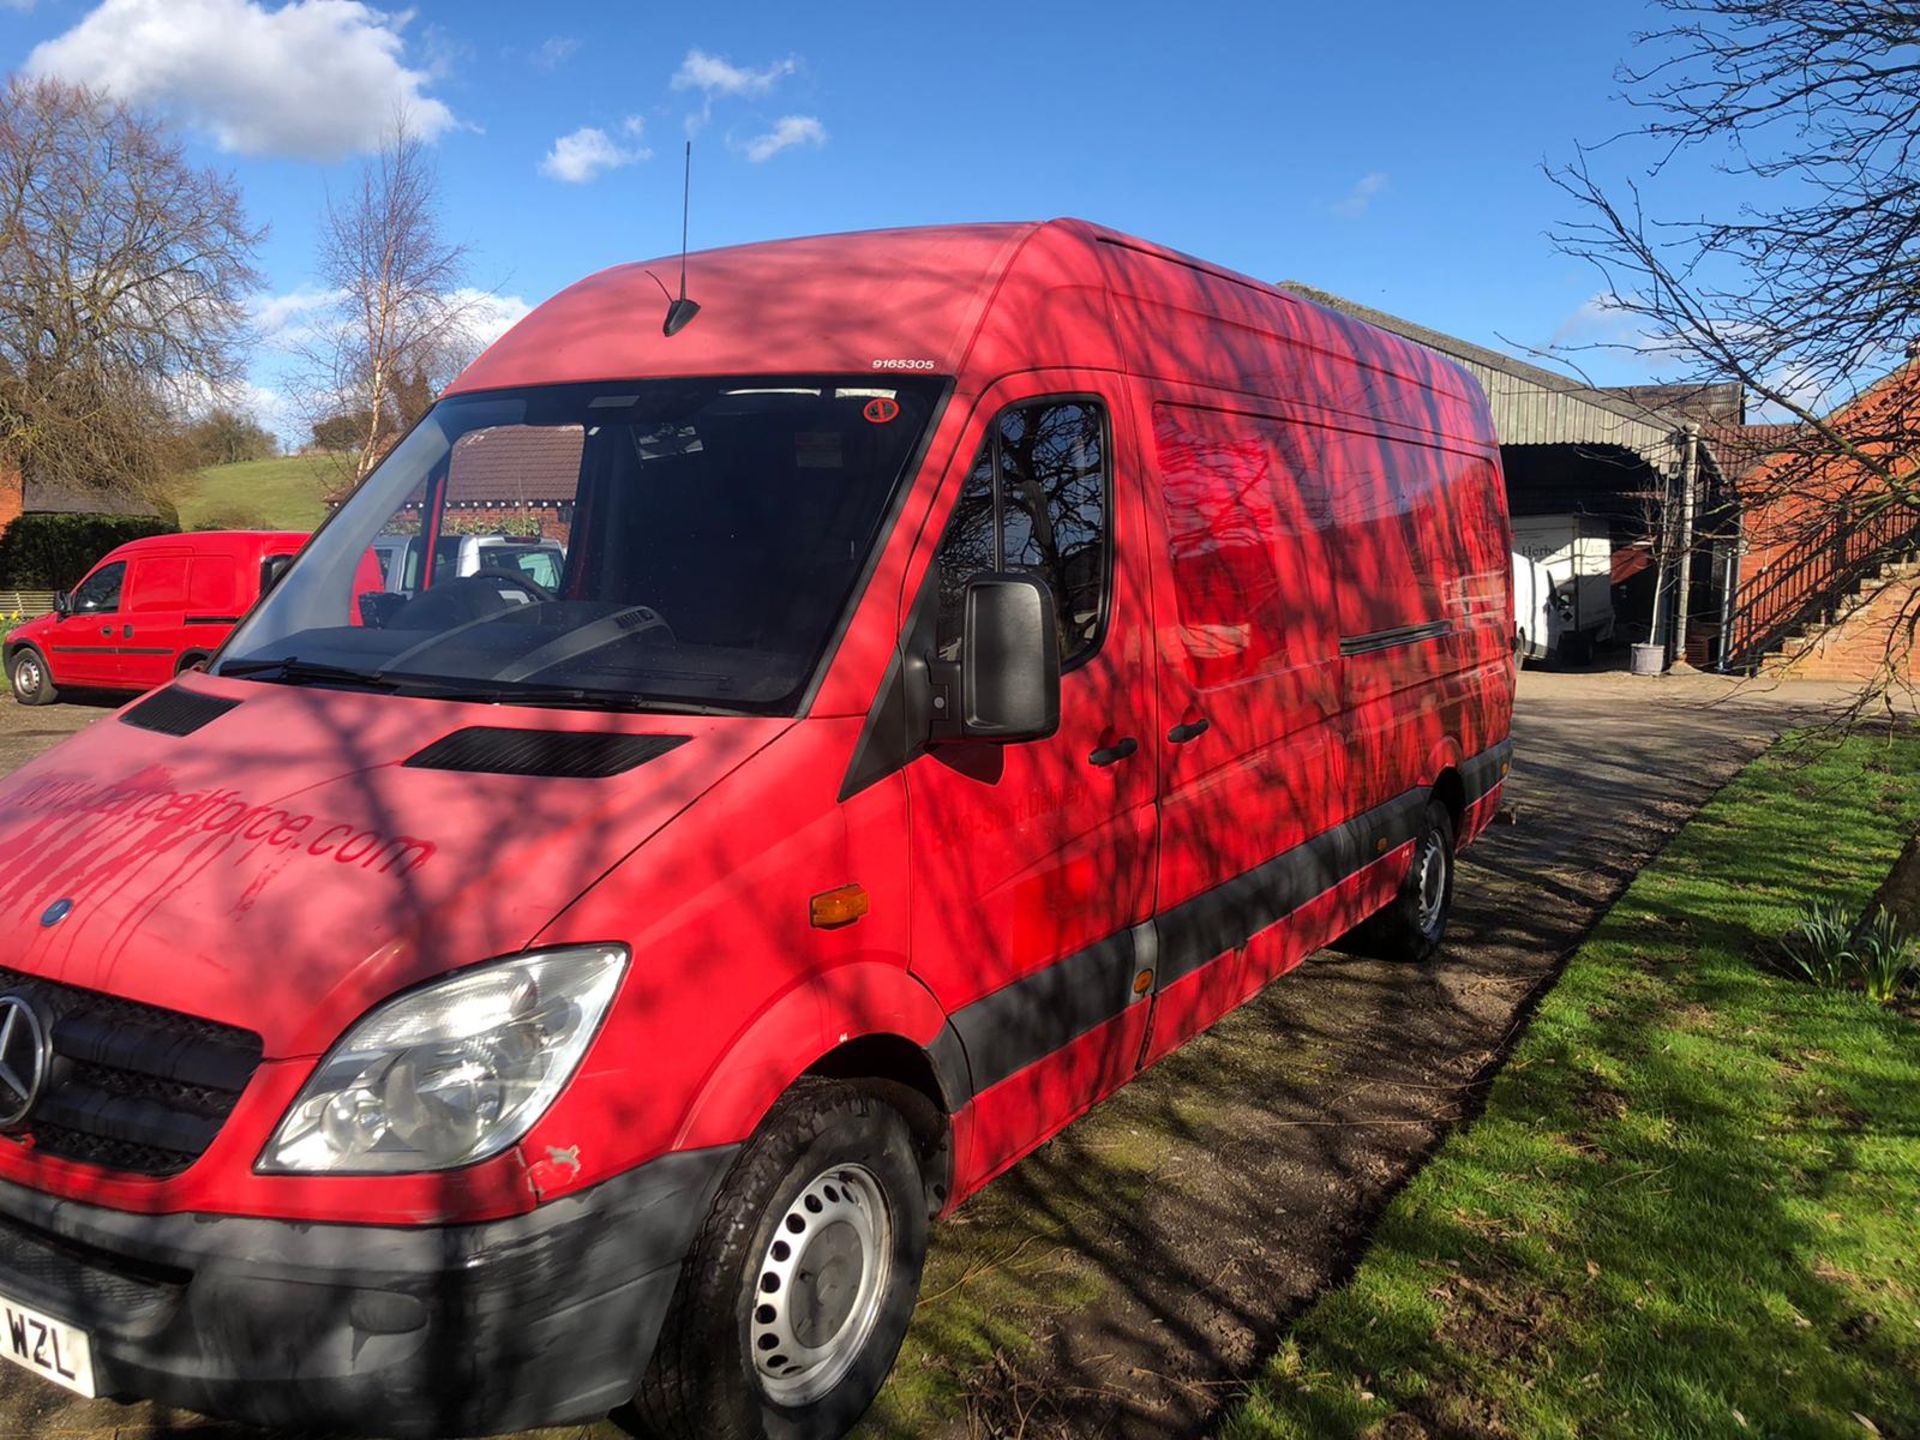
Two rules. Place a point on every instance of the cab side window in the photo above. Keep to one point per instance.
(101, 590)
(1037, 501)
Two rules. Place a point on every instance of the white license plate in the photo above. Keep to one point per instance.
(46, 1346)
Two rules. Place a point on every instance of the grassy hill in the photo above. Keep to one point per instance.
(287, 493)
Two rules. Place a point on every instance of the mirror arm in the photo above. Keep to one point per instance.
(941, 687)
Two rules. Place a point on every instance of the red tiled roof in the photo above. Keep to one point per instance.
(1739, 448)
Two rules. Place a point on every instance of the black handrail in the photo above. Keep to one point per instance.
(1837, 557)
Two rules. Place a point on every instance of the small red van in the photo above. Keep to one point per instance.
(147, 611)
(982, 658)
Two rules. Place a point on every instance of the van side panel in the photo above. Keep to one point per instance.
(1304, 464)
(1248, 657)
(1422, 602)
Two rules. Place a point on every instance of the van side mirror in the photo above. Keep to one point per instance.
(1005, 687)
(62, 604)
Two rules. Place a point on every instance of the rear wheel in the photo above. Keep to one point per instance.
(1576, 648)
(1414, 923)
(32, 681)
(188, 661)
(796, 1295)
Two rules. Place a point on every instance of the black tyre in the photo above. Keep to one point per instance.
(1576, 649)
(32, 681)
(797, 1292)
(1414, 923)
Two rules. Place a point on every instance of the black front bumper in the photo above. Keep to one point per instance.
(377, 1330)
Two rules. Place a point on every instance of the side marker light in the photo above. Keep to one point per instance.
(832, 909)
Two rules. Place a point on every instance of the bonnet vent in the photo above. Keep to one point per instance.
(174, 711)
(496, 750)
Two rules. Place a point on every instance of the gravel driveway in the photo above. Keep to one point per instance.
(1267, 1146)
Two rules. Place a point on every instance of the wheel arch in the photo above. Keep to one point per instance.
(866, 1022)
(1451, 791)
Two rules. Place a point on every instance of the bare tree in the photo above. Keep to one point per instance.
(400, 316)
(1808, 293)
(123, 277)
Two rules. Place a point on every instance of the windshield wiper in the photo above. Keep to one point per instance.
(522, 692)
(294, 671)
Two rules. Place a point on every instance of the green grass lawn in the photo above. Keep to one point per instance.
(287, 493)
(1692, 1205)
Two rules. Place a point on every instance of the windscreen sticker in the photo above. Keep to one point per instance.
(881, 409)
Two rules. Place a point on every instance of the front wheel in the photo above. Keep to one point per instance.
(797, 1292)
(1414, 922)
(32, 681)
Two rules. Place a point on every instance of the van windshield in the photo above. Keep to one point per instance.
(659, 544)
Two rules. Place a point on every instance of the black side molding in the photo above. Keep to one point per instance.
(1388, 639)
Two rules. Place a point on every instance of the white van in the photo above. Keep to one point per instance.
(1575, 552)
(1540, 615)
(528, 556)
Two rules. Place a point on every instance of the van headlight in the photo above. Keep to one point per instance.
(453, 1072)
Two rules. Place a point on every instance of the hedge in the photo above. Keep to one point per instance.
(53, 552)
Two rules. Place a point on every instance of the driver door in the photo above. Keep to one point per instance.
(87, 644)
(1031, 862)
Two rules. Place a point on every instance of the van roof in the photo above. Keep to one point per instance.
(211, 540)
(822, 304)
(896, 302)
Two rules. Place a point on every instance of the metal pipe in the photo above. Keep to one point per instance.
(1730, 588)
(1689, 461)
(1661, 551)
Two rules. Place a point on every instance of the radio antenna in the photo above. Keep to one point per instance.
(680, 311)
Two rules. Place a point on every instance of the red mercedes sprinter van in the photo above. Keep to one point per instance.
(983, 657)
(148, 610)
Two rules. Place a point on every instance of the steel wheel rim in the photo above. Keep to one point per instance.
(819, 1288)
(1432, 881)
(27, 675)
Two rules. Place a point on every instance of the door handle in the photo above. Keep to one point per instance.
(1190, 730)
(107, 630)
(126, 632)
(1112, 754)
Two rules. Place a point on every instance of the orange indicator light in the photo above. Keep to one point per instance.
(832, 909)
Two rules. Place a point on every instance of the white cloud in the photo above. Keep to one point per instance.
(556, 51)
(301, 321)
(16, 4)
(1365, 190)
(292, 320)
(589, 152)
(1606, 321)
(316, 79)
(486, 316)
(788, 131)
(713, 76)
(270, 407)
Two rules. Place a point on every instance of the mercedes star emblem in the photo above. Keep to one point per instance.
(23, 1060)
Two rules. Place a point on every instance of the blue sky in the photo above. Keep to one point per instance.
(1387, 151)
